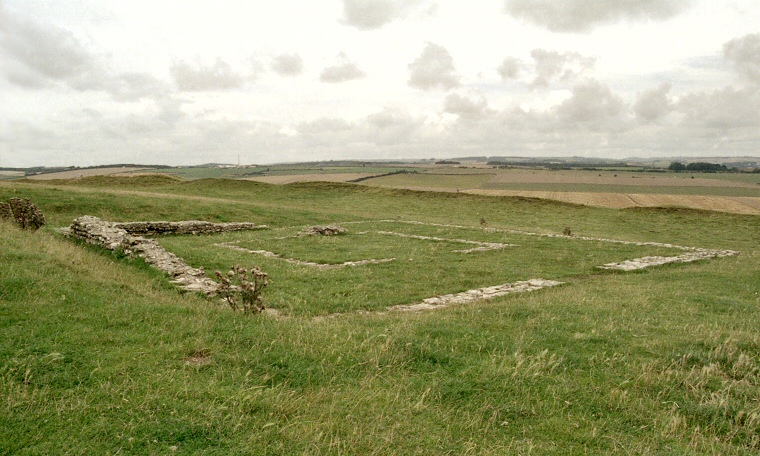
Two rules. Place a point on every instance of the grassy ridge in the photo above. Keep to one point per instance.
(661, 362)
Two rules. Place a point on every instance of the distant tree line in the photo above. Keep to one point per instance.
(703, 167)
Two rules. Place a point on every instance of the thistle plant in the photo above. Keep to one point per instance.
(241, 288)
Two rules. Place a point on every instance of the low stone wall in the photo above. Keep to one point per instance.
(184, 227)
(124, 236)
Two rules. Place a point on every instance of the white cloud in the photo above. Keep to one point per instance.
(434, 68)
(584, 15)
(744, 53)
(592, 105)
(374, 14)
(510, 68)
(288, 65)
(466, 107)
(551, 65)
(200, 77)
(343, 70)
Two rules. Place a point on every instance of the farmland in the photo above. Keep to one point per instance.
(102, 354)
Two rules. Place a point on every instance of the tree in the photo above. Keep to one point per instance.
(676, 166)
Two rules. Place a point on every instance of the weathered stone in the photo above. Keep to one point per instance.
(21, 211)
(470, 296)
(323, 230)
(184, 227)
(114, 236)
(649, 261)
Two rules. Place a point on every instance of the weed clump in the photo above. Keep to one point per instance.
(567, 231)
(23, 213)
(241, 288)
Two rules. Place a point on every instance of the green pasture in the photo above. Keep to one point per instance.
(421, 267)
(101, 354)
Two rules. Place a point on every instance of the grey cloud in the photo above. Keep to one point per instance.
(199, 77)
(551, 65)
(724, 109)
(584, 15)
(592, 104)
(37, 55)
(134, 86)
(391, 126)
(343, 70)
(287, 64)
(434, 68)
(373, 14)
(744, 53)
(509, 68)
(653, 104)
(466, 107)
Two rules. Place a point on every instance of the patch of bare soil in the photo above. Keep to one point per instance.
(78, 173)
(291, 178)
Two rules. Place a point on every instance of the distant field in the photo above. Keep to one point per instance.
(10, 174)
(730, 192)
(626, 178)
(433, 180)
(77, 173)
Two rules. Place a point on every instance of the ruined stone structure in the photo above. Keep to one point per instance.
(184, 227)
(21, 211)
(112, 236)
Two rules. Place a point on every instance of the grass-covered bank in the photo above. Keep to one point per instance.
(100, 355)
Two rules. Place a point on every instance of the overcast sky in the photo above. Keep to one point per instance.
(91, 82)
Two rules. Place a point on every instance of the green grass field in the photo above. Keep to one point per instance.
(100, 354)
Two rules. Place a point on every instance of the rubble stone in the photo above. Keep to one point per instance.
(323, 230)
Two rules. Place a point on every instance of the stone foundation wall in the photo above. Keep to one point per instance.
(184, 227)
(112, 236)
